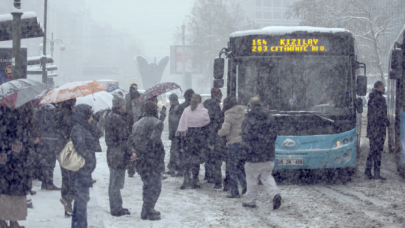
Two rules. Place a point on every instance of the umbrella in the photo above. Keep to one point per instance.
(73, 90)
(98, 101)
(15, 93)
(159, 89)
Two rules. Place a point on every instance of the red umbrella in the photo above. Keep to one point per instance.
(159, 89)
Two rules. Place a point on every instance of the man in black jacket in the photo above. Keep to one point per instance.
(174, 118)
(118, 154)
(133, 113)
(259, 134)
(215, 142)
(377, 123)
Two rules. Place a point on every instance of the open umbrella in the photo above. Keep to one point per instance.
(15, 93)
(159, 89)
(98, 101)
(73, 90)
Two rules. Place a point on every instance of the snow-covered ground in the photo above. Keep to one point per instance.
(359, 203)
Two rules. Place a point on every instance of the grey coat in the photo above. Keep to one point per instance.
(146, 141)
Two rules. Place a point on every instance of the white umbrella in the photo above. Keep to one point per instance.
(98, 101)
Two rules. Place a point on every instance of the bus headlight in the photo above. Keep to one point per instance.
(338, 160)
(345, 141)
(345, 155)
(338, 143)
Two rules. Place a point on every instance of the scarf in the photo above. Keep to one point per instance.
(197, 118)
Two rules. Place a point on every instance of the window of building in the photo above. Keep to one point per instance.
(266, 14)
(267, 3)
(258, 14)
(286, 3)
(258, 2)
(277, 3)
(278, 15)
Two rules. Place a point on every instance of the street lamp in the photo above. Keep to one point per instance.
(52, 42)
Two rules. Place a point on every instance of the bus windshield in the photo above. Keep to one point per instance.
(297, 84)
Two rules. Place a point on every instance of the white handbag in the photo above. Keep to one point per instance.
(70, 159)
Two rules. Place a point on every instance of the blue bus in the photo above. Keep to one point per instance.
(396, 101)
(308, 78)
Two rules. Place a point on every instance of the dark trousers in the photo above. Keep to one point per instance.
(240, 166)
(117, 181)
(82, 197)
(131, 169)
(67, 189)
(213, 169)
(152, 186)
(234, 172)
(174, 163)
(192, 169)
(374, 157)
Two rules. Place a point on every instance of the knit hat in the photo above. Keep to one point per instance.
(173, 97)
(118, 101)
(134, 94)
(215, 92)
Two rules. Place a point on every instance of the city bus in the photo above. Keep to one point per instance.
(308, 78)
(396, 101)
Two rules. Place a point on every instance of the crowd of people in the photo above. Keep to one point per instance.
(200, 132)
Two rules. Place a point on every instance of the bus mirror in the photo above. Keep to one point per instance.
(218, 83)
(219, 68)
(361, 85)
(358, 104)
(396, 63)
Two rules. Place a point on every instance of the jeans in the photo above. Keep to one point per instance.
(262, 170)
(152, 186)
(67, 189)
(82, 197)
(117, 181)
(235, 173)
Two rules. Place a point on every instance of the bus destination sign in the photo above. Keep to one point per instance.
(288, 45)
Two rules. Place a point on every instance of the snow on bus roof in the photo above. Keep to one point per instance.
(283, 30)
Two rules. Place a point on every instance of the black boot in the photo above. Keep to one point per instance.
(368, 174)
(150, 215)
(276, 202)
(186, 181)
(195, 183)
(52, 187)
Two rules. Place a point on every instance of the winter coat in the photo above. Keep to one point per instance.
(195, 145)
(83, 142)
(162, 112)
(377, 120)
(131, 116)
(146, 141)
(216, 117)
(97, 134)
(232, 126)
(174, 118)
(116, 136)
(259, 134)
(46, 153)
(63, 123)
(15, 172)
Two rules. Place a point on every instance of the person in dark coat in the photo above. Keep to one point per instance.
(259, 134)
(377, 123)
(63, 129)
(84, 144)
(187, 98)
(146, 141)
(216, 143)
(118, 154)
(47, 153)
(133, 113)
(174, 118)
(97, 132)
(194, 132)
(17, 136)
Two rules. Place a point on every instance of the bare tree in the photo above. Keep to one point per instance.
(208, 27)
(371, 21)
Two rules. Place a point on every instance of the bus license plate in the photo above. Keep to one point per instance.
(289, 161)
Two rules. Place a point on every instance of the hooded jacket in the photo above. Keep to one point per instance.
(84, 143)
(116, 136)
(377, 120)
(232, 126)
(259, 134)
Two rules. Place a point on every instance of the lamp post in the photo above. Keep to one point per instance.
(52, 42)
(16, 60)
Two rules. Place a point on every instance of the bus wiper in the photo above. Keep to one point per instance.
(324, 118)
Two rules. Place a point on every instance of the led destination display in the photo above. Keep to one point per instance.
(288, 45)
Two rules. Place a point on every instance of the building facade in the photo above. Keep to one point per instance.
(258, 14)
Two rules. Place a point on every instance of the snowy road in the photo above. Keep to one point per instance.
(359, 203)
